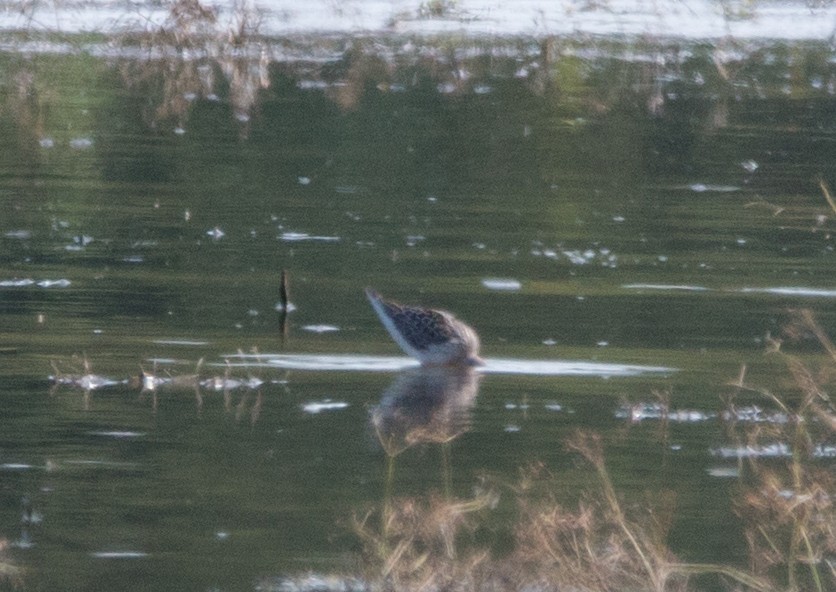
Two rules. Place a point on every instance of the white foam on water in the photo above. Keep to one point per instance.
(304, 236)
(16, 467)
(792, 291)
(106, 464)
(703, 187)
(502, 284)
(18, 234)
(492, 365)
(27, 282)
(321, 328)
(801, 291)
(121, 434)
(774, 450)
(567, 368)
(666, 287)
(119, 554)
(315, 407)
(723, 472)
(642, 411)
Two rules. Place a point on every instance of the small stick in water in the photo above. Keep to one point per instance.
(283, 293)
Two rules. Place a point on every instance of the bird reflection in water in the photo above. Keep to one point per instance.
(424, 406)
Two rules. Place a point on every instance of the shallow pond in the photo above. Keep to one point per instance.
(626, 225)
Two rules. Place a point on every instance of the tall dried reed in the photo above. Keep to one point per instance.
(437, 543)
(786, 499)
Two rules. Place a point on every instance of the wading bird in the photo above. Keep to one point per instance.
(433, 337)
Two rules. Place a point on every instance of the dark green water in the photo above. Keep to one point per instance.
(655, 211)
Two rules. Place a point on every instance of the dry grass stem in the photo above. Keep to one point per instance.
(787, 503)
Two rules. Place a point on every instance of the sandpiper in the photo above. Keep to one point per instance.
(433, 337)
